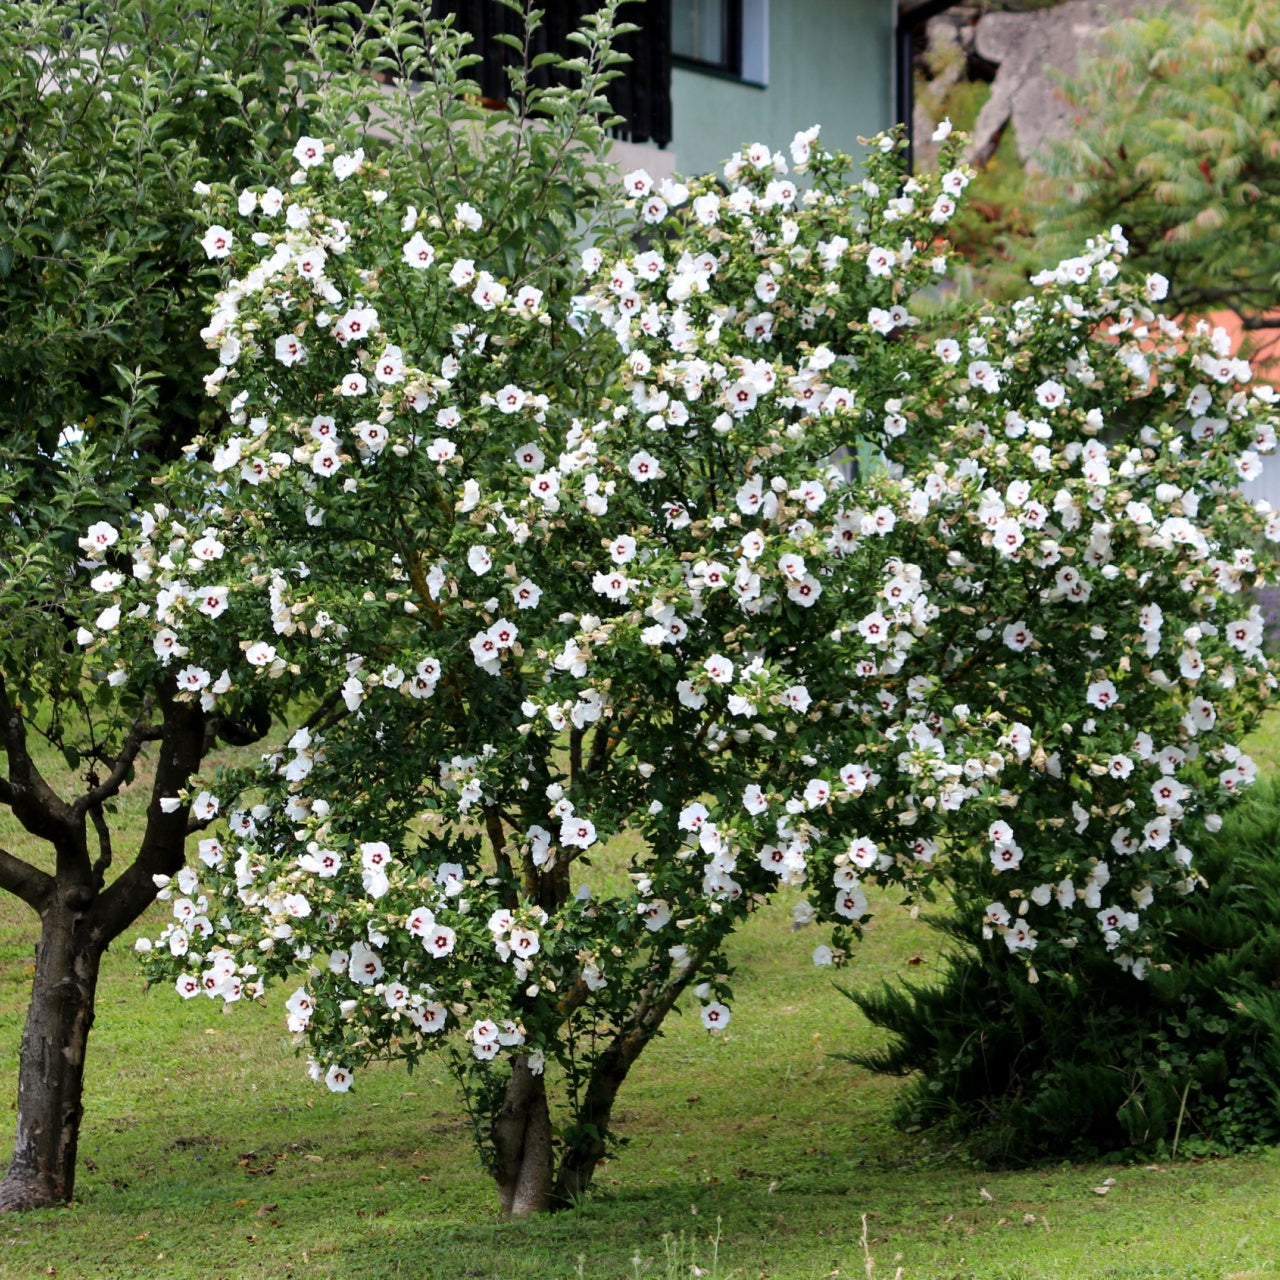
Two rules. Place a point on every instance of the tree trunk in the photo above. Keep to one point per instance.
(579, 1159)
(51, 1067)
(587, 1147)
(522, 1143)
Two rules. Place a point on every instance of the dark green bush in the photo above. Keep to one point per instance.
(1089, 1062)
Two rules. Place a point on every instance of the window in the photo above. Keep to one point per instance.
(728, 37)
(707, 31)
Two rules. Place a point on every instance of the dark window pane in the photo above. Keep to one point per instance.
(699, 30)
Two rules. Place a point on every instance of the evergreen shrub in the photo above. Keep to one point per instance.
(1087, 1063)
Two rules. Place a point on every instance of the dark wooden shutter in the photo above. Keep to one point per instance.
(641, 95)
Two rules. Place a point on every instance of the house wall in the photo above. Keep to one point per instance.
(1267, 486)
(830, 62)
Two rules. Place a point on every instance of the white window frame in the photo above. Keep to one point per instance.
(755, 41)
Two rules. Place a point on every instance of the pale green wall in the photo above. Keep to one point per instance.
(830, 63)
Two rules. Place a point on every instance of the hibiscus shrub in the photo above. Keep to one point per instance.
(560, 546)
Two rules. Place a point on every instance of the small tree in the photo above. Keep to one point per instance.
(562, 545)
(1179, 141)
(108, 115)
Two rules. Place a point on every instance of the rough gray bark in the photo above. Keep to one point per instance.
(51, 1066)
(522, 1142)
(79, 915)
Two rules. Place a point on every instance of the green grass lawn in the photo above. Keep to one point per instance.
(207, 1152)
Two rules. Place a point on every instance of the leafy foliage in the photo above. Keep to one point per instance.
(110, 116)
(1179, 141)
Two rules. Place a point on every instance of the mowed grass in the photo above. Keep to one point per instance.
(207, 1152)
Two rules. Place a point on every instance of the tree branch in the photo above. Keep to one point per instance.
(34, 802)
(142, 730)
(594, 1110)
(575, 753)
(323, 710)
(195, 825)
(1253, 306)
(235, 733)
(33, 886)
(608, 738)
(164, 841)
(1254, 323)
(502, 859)
(103, 863)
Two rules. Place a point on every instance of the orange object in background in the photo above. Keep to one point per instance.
(1264, 344)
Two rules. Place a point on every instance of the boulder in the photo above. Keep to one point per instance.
(1027, 49)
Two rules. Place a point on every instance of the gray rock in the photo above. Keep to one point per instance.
(1025, 47)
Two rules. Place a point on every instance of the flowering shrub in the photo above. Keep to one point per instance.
(565, 553)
